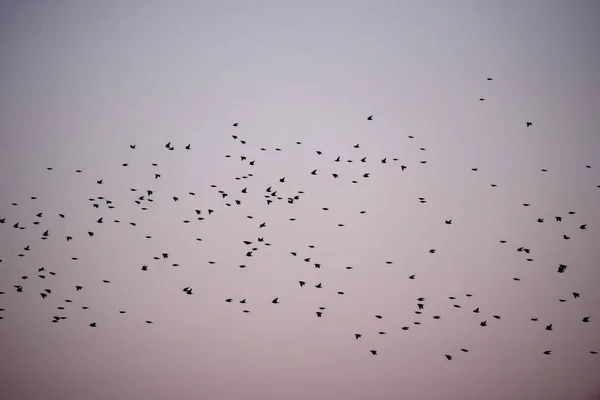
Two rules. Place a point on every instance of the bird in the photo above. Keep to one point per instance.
(370, 118)
(562, 268)
(528, 124)
(275, 300)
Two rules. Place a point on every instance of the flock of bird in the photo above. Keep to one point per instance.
(250, 246)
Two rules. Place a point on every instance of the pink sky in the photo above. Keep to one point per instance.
(81, 81)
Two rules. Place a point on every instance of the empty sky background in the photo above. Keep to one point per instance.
(81, 81)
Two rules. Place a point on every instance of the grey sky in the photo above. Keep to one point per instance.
(81, 81)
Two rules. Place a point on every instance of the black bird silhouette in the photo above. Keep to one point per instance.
(528, 124)
(275, 300)
(549, 327)
(448, 221)
(370, 118)
(374, 352)
(314, 172)
(449, 357)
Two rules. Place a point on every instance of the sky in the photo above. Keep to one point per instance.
(83, 81)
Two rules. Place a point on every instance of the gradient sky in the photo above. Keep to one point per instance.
(81, 81)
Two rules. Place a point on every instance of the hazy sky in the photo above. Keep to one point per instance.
(81, 81)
